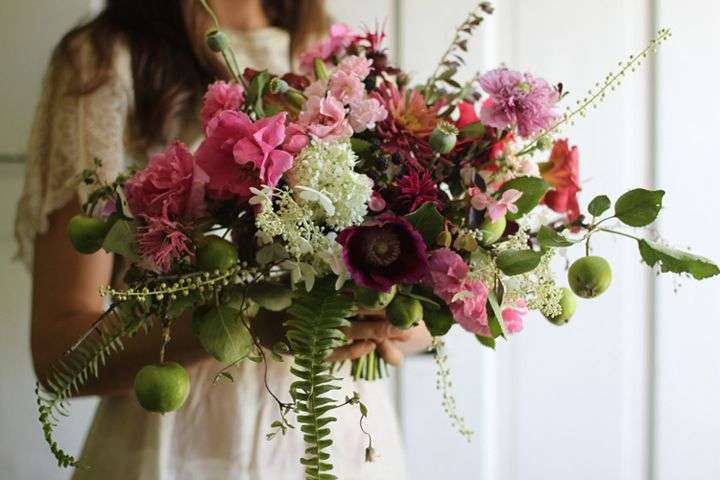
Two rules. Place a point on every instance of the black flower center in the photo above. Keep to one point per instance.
(382, 247)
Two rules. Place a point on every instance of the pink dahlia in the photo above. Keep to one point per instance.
(384, 251)
(162, 242)
(172, 185)
(239, 154)
(518, 99)
(221, 96)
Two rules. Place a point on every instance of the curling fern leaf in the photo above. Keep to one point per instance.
(73, 371)
(313, 332)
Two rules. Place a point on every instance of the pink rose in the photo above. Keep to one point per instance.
(171, 185)
(346, 88)
(324, 118)
(221, 96)
(357, 66)
(366, 113)
(239, 154)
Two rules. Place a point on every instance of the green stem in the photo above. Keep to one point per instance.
(623, 234)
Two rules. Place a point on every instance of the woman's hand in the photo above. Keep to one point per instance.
(373, 331)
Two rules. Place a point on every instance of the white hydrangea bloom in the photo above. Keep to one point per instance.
(327, 170)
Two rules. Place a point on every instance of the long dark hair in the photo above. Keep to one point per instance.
(171, 66)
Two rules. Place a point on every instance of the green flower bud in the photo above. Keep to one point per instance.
(589, 276)
(321, 71)
(544, 143)
(444, 137)
(278, 85)
(370, 299)
(568, 303)
(444, 239)
(217, 41)
(404, 312)
(295, 98)
(86, 233)
(492, 231)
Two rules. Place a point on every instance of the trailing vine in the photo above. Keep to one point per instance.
(66, 377)
(313, 332)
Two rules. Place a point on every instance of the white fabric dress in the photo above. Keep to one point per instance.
(219, 434)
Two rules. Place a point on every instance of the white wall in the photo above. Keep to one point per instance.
(629, 390)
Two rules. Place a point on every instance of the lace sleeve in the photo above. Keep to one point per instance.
(68, 133)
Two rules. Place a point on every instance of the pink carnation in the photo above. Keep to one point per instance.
(171, 185)
(366, 113)
(162, 242)
(318, 88)
(239, 154)
(346, 87)
(513, 315)
(356, 66)
(221, 96)
(339, 38)
(466, 298)
(517, 99)
(324, 118)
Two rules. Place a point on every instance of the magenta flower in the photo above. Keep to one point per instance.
(162, 242)
(513, 315)
(324, 118)
(496, 208)
(239, 154)
(221, 96)
(517, 99)
(413, 190)
(447, 273)
(384, 251)
(171, 185)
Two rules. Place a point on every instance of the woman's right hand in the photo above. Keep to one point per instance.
(371, 330)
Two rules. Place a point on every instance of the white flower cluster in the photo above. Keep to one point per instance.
(324, 173)
(537, 287)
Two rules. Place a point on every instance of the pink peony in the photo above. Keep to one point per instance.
(366, 113)
(513, 315)
(221, 96)
(239, 154)
(356, 66)
(346, 88)
(171, 185)
(517, 99)
(447, 273)
(162, 242)
(324, 118)
(340, 37)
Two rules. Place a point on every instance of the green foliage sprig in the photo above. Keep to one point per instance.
(313, 332)
(444, 384)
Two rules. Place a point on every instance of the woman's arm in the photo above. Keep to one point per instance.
(65, 302)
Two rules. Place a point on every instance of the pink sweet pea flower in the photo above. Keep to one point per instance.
(324, 118)
(221, 96)
(171, 185)
(496, 208)
(377, 203)
(512, 315)
(239, 154)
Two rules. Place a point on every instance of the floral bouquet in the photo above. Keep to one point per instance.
(347, 187)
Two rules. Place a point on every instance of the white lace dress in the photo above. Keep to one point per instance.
(219, 434)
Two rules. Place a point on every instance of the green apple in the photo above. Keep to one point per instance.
(371, 299)
(404, 312)
(492, 231)
(568, 303)
(590, 276)
(162, 387)
(86, 233)
(216, 253)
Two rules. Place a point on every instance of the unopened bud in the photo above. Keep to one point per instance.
(217, 41)
(544, 143)
(444, 137)
(278, 85)
(444, 239)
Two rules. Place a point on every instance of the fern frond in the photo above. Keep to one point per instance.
(69, 374)
(313, 332)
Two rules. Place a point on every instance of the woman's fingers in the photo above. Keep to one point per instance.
(390, 353)
(375, 330)
(352, 351)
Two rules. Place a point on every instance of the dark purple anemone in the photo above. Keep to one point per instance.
(383, 252)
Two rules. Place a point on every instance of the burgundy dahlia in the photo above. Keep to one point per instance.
(383, 252)
(413, 190)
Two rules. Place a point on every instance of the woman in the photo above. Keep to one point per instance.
(120, 87)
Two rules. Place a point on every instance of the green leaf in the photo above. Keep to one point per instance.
(178, 306)
(427, 221)
(473, 130)
(255, 92)
(223, 334)
(676, 261)
(486, 341)
(549, 238)
(599, 205)
(121, 240)
(497, 328)
(532, 188)
(438, 320)
(639, 207)
(360, 146)
(271, 296)
(517, 262)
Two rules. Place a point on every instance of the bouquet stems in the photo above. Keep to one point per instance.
(369, 367)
